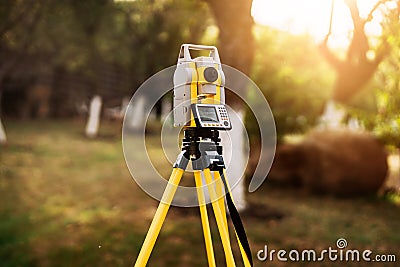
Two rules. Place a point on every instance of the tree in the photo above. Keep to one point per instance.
(236, 48)
(384, 121)
(357, 68)
(159, 31)
(235, 39)
(16, 16)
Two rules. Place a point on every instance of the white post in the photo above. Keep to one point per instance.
(137, 114)
(3, 137)
(166, 108)
(234, 156)
(124, 106)
(93, 122)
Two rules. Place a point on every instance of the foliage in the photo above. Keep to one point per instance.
(382, 115)
(293, 77)
(103, 47)
(384, 120)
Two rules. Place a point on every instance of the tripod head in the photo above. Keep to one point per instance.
(199, 93)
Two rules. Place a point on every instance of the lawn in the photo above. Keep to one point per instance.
(69, 201)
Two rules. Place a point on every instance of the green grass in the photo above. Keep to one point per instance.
(69, 201)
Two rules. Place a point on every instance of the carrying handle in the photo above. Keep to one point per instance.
(184, 54)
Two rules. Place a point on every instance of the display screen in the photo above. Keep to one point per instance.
(208, 114)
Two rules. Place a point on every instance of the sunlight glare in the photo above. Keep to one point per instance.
(312, 17)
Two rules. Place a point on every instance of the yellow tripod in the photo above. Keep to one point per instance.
(206, 158)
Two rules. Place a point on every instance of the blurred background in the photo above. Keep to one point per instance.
(329, 69)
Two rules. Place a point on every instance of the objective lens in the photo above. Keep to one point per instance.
(210, 74)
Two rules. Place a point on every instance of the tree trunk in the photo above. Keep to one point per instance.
(3, 137)
(166, 108)
(354, 72)
(234, 149)
(236, 48)
(93, 122)
(137, 116)
(235, 40)
(332, 117)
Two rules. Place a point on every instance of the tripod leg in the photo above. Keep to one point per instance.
(159, 217)
(221, 202)
(230, 261)
(242, 252)
(204, 220)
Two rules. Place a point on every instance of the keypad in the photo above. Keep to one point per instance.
(224, 114)
(224, 121)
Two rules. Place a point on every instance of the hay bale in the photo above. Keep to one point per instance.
(338, 162)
